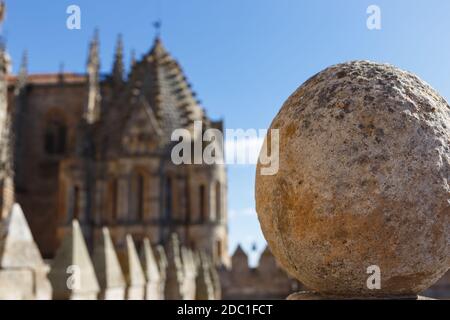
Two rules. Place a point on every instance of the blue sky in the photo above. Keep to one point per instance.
(244, 57)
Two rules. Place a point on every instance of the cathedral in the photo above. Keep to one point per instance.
(87, 180)
(97, 148)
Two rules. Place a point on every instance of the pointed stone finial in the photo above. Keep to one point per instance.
(161, 259)
(153, 290)
(22, 75)
(23, 71)
(118, 69)
(158, 50)
(23, 273)
(72, 274)
(174, 289)
(107, 267)
(92, 110)
(204, 289)
(18, 249)
(134, 274)
(133, 58)
(215, 278)
(95, 43)
(189, 273)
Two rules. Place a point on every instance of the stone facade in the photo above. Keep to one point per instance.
(88, 157)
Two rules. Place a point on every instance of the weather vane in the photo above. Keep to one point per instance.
(157, 25)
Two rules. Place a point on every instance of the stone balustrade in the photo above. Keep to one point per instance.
(73, 274)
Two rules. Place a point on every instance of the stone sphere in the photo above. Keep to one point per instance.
(363, 180)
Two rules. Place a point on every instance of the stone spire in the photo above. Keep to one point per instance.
(23, 273)
(215, 278)
(118, 69)
(189, 273)
(161, 260)
(204, 289)
(166, 88)
(107, 267)
(23, 74)
(134, 274)
(133, 59)
(154, 289)
(72, 274)
(175, 273)
(92, 111)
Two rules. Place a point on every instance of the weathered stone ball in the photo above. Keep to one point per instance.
(363, 180)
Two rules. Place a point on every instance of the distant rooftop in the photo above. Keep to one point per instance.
(50, 78)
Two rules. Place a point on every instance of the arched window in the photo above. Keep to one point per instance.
(218, 201)
(55, 137)
(202, 203)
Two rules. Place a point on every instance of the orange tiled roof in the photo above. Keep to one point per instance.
(50, 78)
